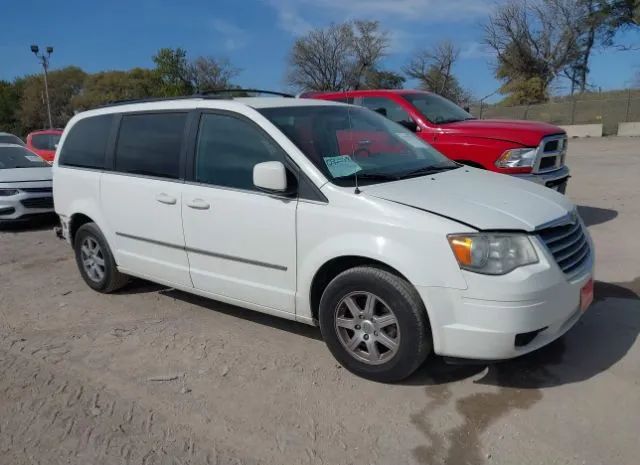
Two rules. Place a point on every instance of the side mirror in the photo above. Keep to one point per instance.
(410, 125)
(270, 176)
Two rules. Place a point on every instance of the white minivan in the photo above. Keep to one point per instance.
(327, 214)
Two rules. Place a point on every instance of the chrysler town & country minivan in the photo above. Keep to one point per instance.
(266, 203)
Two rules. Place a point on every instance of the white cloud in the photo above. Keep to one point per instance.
(295, 16)
(289, 18)
(233, 37)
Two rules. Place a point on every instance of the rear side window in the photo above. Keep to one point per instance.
(149, 144)
(86, 143)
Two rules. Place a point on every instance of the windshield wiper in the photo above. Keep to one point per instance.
(455, 120)
(425, 170)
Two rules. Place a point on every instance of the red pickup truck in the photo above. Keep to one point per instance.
(530, 150)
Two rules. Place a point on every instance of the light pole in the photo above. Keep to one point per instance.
(44, 60)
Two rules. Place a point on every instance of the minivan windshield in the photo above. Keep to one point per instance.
(344, 141)
(436, 109)
(19, 157)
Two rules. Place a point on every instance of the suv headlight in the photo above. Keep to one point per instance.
(8, 192)
(492, 253)
(517, 158)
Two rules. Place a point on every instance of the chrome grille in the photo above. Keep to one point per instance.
(38, 202)
(551, 153)
(36, 189)
(568, 244)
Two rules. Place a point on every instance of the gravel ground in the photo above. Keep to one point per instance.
(151, 375)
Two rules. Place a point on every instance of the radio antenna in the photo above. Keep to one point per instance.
(357, 190)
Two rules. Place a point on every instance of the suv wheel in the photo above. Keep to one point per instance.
(95, 261)
(375, 324)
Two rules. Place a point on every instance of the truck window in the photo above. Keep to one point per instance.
(386, 107)
(86, 143)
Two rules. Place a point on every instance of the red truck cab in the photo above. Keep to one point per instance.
(531, 150)
(44, 143)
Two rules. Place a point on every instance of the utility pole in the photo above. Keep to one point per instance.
(44, 61)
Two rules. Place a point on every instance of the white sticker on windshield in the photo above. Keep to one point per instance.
(342, 165)
(410, 139)
(33, 158)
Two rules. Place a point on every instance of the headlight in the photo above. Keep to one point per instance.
(8, 192)
(517, 158)
(492, 253)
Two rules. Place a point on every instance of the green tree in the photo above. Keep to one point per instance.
(64, 84)
(9, 104)
(375, 79)
(110, 86)
(172, 68)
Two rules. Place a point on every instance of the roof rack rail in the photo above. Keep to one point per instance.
(115, 103)
(253, 91)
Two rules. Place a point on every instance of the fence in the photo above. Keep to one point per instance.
(607, 109)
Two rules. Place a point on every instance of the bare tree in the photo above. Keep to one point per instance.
(209, 73)
(369, 45)
(434, 69)
(338, 57)
(534, 42)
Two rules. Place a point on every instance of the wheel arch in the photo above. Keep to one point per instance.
(333, 267)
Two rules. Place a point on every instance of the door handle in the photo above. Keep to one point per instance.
(165, 198)
(198, 204)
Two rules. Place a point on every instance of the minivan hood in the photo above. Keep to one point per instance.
(478, 198)
(526, 133)
(25, 174)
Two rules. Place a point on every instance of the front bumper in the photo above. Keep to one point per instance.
(501, 317)
(557, 179)
(25, 205)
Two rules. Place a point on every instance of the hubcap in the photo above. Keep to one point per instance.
(92, 259)
(367, 328)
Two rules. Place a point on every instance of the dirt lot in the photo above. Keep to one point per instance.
(151, 375)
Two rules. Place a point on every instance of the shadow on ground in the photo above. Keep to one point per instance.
(32, 224)
(594, 215)
(599, 340)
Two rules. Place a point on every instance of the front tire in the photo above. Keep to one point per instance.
(375, 324)
(95, 260)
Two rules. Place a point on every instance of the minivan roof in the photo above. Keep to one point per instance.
(200, 102)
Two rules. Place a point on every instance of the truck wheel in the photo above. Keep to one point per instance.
(95, 260)
(375, 324)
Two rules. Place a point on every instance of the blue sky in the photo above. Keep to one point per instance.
(255, 35)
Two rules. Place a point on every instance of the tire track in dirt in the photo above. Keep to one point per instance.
(46, 412)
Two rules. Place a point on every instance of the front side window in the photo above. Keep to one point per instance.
(227, 150)
(345, 142)
(436, 109)
(150, 144)
(86, 143)
(19, 157)
(45, 141)
(386, 107)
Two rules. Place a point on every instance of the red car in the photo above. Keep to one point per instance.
(44, 143)
(527, 149)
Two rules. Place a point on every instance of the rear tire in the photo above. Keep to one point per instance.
(95, 260)
(375, 324)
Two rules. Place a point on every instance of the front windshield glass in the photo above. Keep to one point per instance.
(436, 109)
(45, 141)
(343, 141)
(18, 157)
